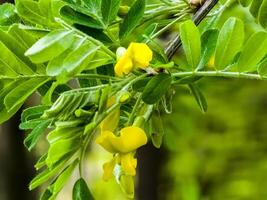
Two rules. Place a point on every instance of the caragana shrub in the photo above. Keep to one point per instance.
(104, 69)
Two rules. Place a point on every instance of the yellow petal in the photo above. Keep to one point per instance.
(141, 54)
(105, 141)
(110, 123)
(129, 140)
(124, 65)
(127, 185)
(108, 168)
(128, 163)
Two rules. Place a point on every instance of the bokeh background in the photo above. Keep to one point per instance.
(220, 155)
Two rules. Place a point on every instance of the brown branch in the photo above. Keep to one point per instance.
(197, 18)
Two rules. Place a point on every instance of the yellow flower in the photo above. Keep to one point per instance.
(137, 55)
(123, 147)
(129, 140)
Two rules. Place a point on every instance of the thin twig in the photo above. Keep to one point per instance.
(197, 18)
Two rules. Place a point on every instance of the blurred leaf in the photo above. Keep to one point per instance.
(253, 52)
(18, 95)
(157, 129)
(63, 178)
(262, 17)
(47, 174)
(109, 10)
(245, 2)
(132, 18)
(230, 41)
(199, 97)
(61, 133)
(262, 68)
(50, 46)
(152, 92)
(81, 191)
(190, 37)
(8, 15)
(255, 7)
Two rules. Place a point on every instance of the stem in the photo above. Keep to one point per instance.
(220, 74)
(136, 105)
(85, 76)
(197, 18)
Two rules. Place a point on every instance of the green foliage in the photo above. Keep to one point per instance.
(229, 43)
(65, 51)
(191, 42)
(81, 191)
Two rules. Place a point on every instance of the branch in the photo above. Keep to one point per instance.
(219, 74)
(197, 18)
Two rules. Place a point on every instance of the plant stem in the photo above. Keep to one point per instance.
(220, 74)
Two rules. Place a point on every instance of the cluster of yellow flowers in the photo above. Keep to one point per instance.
(124, 144)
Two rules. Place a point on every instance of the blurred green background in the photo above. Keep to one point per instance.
(220, 155)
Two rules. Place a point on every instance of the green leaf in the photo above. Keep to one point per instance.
(109, 9)
(29, 10)
(93, 6)
(61, 133)
(255, 7)
(47, 174)
(8, 15)
(78, 17)
(31, 124)
(47, 194)
(199, 97)
(50, 46)
(230, 41)
(33, 112)
(32, 139)
(140, 85)
(16, 48)
(157, 130)
(244, 2)
(208, 41)
(81, 191)
(262, 68)
(18, 95)
(78, 60)
(4, 114)
(22, 36)
(61, 148)
(132, 18)
(152, 92)
(190, 37)
(262, 17)
(253, 52)
(63, 178)
(55, 66)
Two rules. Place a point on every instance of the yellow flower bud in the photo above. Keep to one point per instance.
(124, 65)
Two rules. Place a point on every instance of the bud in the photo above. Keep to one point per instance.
(123, 10)
(120, 52)
(125, 97)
